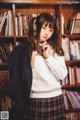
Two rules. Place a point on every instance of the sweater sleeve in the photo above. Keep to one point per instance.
(57, 66)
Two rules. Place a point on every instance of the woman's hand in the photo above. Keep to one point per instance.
(46, 51)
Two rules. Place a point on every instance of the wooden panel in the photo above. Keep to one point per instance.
(35, 10)
(40, 1)
(2, 11)
(69, 11)
(30, 1)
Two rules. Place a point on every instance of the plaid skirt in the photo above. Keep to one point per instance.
(47, 108)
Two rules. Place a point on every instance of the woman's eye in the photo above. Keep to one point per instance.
(44, 27)
(51, 30)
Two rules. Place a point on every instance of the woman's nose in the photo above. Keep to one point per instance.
(46, 32)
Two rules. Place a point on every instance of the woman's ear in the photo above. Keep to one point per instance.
(53, 31)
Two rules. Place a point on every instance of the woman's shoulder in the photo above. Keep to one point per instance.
(17, 50)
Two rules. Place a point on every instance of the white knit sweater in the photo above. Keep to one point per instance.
(47, 74)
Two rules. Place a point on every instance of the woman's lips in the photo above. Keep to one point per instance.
(45, 37)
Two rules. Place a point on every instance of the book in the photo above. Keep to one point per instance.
(72, 50)
(65, 100)
(73, 23)
(69, 25)
(62, 24)
(69, 95)
(74, 98)
(76, 28)
(4, 79)
(66, 48)
(3, 21)
(77, 74)
(3, 54)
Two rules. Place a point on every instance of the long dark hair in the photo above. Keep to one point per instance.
(35, 26)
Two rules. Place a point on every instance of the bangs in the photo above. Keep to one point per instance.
(49, 24)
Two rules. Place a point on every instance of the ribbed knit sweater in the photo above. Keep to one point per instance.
(47, 74)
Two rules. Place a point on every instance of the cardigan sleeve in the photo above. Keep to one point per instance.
(58, 66)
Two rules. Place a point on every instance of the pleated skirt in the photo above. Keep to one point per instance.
(47, 108)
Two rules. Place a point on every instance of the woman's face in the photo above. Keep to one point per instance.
(45, 33)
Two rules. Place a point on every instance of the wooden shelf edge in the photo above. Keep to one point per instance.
(71, 35)
(72, 62)
(30, 1)
(13, 36)
(72, 87)
(72, 110)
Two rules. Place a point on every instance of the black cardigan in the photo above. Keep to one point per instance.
(20, 74)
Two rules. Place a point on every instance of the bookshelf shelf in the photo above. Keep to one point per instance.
(3, 66)
(6, 39)
(5, 90)
(73, 36)
(9, 37)
(72, 110)
(31, 2)
(73, 62)
(72, 87)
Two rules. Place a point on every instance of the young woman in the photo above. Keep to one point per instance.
(36, 69)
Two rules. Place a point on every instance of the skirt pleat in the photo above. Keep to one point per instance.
(47, 108)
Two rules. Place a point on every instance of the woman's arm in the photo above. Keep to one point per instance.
(58, 66)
